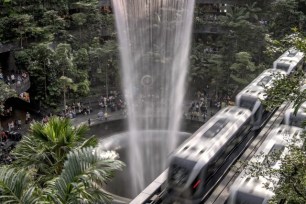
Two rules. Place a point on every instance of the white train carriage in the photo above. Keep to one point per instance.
(295, 118)
(252, 95)
(194, 165)
(290, 61)
(251, 190)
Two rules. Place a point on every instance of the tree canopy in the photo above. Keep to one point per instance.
(56, 163)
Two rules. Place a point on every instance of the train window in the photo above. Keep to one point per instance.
(178, 175)
(179, 171)
(186, 147)
(233, 110)
(283, 66)
(202, 151)
(247, 103)
(292, 53)
(264, 81)
(216, 128)
(274, 155)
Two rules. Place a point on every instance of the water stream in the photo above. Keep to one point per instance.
(154, 40)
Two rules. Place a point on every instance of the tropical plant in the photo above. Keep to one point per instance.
(17, 186)
(215, 65)
(6, 91)
(46, 146)
(286, 14)
(83, 176)
(243, 70)
(104, 62)
(82, 179)
(55, 163)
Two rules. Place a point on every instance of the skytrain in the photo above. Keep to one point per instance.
(290, 61)
(200, 162)
(253, 190)
(251, 97)
(250, 190)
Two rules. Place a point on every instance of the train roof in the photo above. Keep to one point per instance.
(205, 142)
(292, 53)
(288, 60)
(256, 89)
(246, 187)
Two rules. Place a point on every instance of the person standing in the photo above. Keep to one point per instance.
(28, 118)
(105, 116)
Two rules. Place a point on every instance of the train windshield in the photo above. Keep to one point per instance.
(264, 81)
(292, 53)
(179, 171)
(283, 66)
(247, 103)
(216, 128)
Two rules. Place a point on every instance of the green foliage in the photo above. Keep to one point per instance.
(104, 62)
(17, 186)
(290, 185)
(46, 65)
(243, 70)
(292, 174)
(286, 14)
(52, 35)
(46, 146)
(6, 92)
(244, 33)
(81, 181)
(57, 164)
(284, 89)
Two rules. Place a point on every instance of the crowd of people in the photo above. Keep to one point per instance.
(8, 141)
(205, 106)
(6, 111)
(14, 77)
(111, 102)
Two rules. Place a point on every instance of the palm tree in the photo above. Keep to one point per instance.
(45, 148)
(81, 180)
(85, 171)
(16, 186)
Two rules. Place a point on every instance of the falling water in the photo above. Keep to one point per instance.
(154, 38)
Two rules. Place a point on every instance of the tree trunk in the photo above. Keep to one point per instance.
(65, 99)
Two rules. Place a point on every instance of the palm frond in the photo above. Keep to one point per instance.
(82, 177)
(17, 187)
